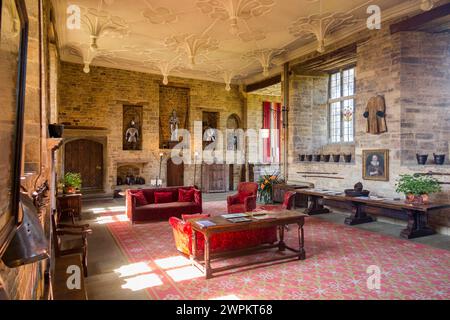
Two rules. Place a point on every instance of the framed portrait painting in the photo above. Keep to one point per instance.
(376, 165)
(13, 56)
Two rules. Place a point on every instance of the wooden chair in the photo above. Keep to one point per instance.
(70, 239)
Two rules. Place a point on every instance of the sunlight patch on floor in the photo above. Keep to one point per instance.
(133, 269)
(172, 262)
(185, 273)
(142, 282)
(112, 219)
(107, 209)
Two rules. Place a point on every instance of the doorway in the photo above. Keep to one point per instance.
(85, 157)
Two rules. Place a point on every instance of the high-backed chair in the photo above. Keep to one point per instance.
(245, 199)
(70, 239)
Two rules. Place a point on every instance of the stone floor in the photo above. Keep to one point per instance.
(105, 256)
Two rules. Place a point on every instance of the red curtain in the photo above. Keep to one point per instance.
(267, 106)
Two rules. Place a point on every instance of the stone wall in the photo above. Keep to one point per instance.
(385, 65)
(27, 282)
(92, 105)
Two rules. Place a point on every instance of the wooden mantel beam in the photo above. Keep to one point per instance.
(263, 84)
(419, 20)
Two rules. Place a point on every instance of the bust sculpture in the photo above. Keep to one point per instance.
(174, 122)
(132, 135)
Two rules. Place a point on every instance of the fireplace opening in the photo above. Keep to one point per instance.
(130, 174)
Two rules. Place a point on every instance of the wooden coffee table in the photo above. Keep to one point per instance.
(278, 219)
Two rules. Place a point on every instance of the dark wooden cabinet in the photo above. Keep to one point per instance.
(215, 177)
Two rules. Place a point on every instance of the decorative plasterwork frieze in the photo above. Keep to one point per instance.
(192, 45)
(320, 26)
(264, 57)
(159, 15)
(249, 36)
(233, 10)
(427, 5)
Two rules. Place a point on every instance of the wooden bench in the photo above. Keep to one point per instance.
(59, 283)
(416, 214)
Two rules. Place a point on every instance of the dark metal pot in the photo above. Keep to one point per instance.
(326, 157)
(439, 159)
(55, 130)
(422, 158)
(348, 158)
(301, 157)
(309, 157)
(336, 157)
(317, 157)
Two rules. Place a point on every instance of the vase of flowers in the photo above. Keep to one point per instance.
(72, 182)
(417, 188)
(265, 187)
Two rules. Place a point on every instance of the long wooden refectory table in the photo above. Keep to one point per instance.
(278, 219)
(417, 213)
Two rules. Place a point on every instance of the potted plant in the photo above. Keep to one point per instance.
(417, 188)
(72, 182)
(265, 187)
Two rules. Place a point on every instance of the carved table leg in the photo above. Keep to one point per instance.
(208, 272)
(194, 245)
(301, 240)
(281, 243)
(358, 215)
(417, 225)
(316, 206)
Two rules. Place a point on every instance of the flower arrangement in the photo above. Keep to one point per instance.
(265, 186)
(417, 188)
(72, 182)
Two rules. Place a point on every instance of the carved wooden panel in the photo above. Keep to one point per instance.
(215, 178)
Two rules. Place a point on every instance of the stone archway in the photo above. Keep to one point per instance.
(85, 156)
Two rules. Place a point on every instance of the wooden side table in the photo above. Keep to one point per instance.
(69, 202)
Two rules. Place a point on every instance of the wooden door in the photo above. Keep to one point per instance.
(214, 178)
(231, 177)
(85, 157)
(175, 174)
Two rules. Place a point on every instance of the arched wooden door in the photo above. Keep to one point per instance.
(85, 157)
(175, 174)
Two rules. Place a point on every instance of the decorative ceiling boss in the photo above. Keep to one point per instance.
(264, 57)
(321, 25)
(192, 45)
(233, 10)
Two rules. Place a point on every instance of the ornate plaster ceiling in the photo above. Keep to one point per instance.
(229, 41)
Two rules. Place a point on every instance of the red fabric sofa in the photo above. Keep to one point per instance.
(245, 199)
(161, 211)
(221, 242)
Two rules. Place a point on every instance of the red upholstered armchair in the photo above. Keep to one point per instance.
(288, 203)
(226, 241)
(245, 199)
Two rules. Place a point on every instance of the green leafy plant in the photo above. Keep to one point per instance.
(417, 184)
(265, 186)
(72, 180)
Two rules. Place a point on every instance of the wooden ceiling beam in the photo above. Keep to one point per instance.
(263, 84)
(414, 23)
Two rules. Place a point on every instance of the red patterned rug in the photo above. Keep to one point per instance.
(336, 265)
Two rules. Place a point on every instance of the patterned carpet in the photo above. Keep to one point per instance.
(337, 258)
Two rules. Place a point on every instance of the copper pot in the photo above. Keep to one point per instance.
(417, 199)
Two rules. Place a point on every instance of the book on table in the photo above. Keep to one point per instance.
(237, 220)
(263, 217)
(205, 223)
(234, 215)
